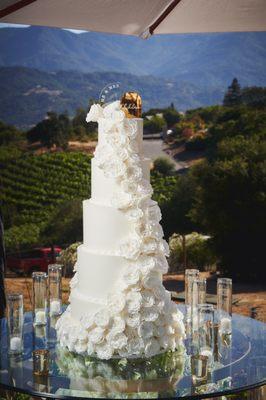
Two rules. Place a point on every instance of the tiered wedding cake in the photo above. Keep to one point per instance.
(119, 306)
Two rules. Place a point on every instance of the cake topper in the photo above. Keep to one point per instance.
(131, 104)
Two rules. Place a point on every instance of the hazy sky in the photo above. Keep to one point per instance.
(25, 26)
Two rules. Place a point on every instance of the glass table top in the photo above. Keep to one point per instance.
(240, 364)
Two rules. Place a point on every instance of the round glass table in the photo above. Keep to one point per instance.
(240, 364)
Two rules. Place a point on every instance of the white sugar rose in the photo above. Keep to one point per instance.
(104, 351)
(118, 324)
(172, 342)
(73, 332)
(133, 146)
(154, 230)
(131, 275)
(134, 174)
(144, 188)
(95, 113)
(149, 246)
(164, 247)
(116, 303)
(159, 331)
(164, 341)
(133, 320)
(82, 335)
(87, 321)
(108, 109)
(145, 330)
(129, 186)
(135, 346)
(159, 291)
(117, 142)
(179, 329)
(146, 264)
(177, 314)
(102, 318)
(152, 347)
(152, 280)
(96, 335)
(115, 168)
(150, 314)
(107, 125)
(167, 307)
(122, 200)
(130, 247)
(155, 212)
(134, 214)
(162, 264)
(131, 128)
(118, 116)
(160, 305)
(80, 348)
(70, 346)
(169, 330)
(133, 302)
(122, 154)
(148, 299)
(118, 341)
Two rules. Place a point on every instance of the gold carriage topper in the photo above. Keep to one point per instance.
(131, 104)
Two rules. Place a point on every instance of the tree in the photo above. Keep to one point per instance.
(233, 95)
(254, 96)
(65, 225)
(54, 130)
(230, 203)
(171, 117)
(80, 125)
(9, 134)
(22, 236)
(175, 213)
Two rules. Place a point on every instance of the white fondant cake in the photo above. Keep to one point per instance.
(119, 306)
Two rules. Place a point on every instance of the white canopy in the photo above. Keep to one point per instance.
(139, 17)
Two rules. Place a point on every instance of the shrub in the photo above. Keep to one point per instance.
(164, 166)
(68, 258)
(154, 125)
(197, 249)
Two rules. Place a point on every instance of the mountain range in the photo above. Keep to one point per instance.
(190, 70)
(213, 59)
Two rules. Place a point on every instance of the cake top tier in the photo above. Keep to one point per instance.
(115, 129)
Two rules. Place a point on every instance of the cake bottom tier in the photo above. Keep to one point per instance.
(84, 305)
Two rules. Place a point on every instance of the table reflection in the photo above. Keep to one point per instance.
(239, 362)
(157, 374)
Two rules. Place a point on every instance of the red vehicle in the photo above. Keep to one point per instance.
(33, 260)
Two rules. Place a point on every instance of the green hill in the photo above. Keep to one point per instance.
(27, 94)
